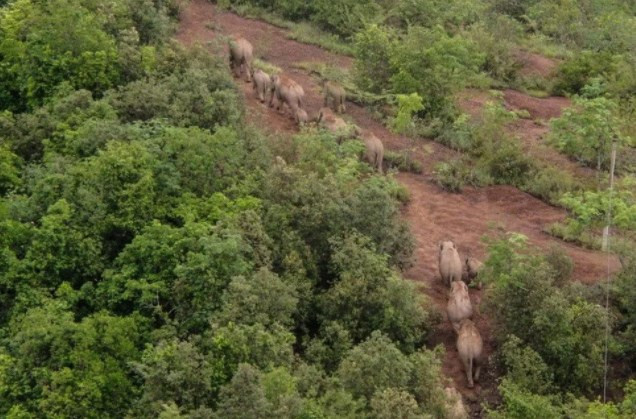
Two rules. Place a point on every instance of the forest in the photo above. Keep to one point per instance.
(165, 254)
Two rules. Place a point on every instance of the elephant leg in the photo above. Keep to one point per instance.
(468, 366)
(248, 70)
(477, 370)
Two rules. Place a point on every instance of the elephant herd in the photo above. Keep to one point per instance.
(459, 308)
(283, 91)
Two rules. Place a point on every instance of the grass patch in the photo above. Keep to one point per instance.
(309, 34)
(266, 66)
(402, 161)
(542, 44)
(302, 31)
(583, 238)
(549, 184)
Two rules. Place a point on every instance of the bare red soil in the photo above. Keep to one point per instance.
(536, 65)
(432, 213)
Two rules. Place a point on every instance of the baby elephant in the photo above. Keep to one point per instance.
(450, 265)
(470, 348)
(374, 149)
(334, 124)
(262, 84)
(301, 117)
(335, 94)
(473, 266)
(241, 56)
(459, 306)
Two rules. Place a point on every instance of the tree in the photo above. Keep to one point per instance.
(244, 397)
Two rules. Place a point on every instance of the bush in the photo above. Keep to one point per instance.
(47, 43)
(506, 163)
(567, 333)
(550, 184)
(585, 131)
(344, 17)
(449, 176)
(402, 161)
(575, 73)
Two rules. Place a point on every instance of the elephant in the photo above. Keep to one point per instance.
(241, 56)
(287, 91)
(459, 306)
(450, 265)
(470, 347)
(334, 124)
(473, 266)
(262, 84)
(335, 94)
(301, 116)
(374, 149)
(455, 408)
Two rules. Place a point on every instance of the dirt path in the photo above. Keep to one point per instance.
(432, 213)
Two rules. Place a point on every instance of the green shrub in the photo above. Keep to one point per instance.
(573, 74)
(585, 131)
(344, 17)
(402, 161)
(550, 184)
(47, 43)
(560, 263)
(506, 163)
(567, 333)
(449, 176)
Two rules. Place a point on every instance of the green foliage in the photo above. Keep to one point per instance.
(520, 403)
(585, 131)
(33, 66)
(9, 170)
(407, 106)
(449, 176)
(367, 297)
(589, 208)
(373, 51)
(57, 366)
(344, 17)
(574, 74)
(565, 331)
(175, 371)
(387, 61)
(551, 184)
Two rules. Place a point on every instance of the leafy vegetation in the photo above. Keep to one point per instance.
(159, 261)
(160, 258)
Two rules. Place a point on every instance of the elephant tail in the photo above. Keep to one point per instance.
(300, 102)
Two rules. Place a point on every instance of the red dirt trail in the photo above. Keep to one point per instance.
(432, 213)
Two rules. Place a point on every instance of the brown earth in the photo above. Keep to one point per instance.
(432, 213)
(536, 65)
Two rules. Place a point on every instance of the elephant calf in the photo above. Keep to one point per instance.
(374, 149)
(241, 57)
(335, 94)
(301, 117)
(470, 348)
(334, 124)
(459, 306)
(262, 84)
(473, 266)
(450, 265)
(287, 91)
